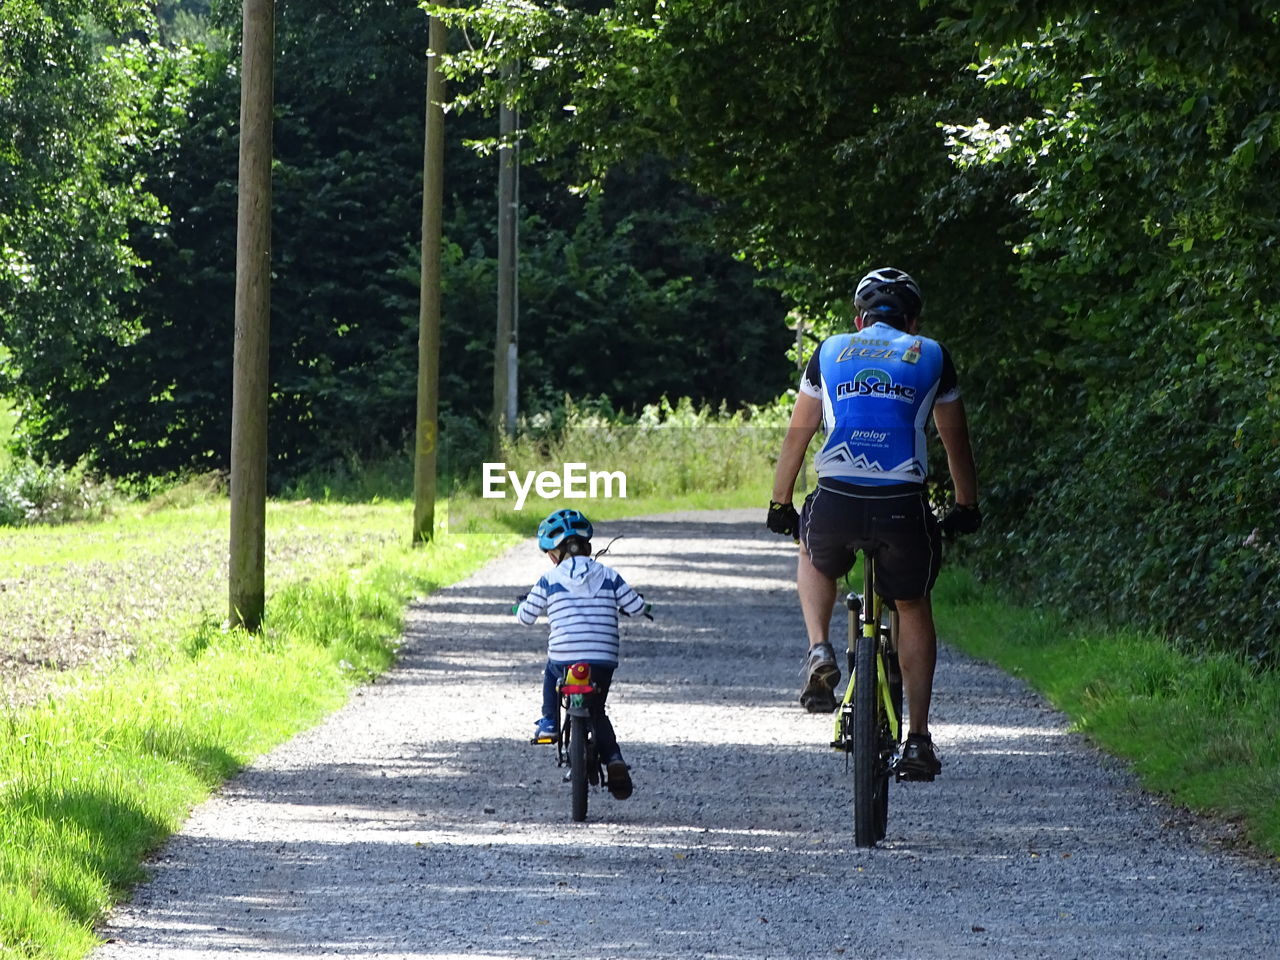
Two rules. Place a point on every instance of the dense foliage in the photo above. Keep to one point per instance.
(1139, 468)
(813, 125)
(1089, 196)
(69, 113)
(620, 294)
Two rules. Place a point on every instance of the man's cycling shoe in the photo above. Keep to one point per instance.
(918, 760)
(821, 676)
(619, 782)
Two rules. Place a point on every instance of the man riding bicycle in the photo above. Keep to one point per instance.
(873, 391)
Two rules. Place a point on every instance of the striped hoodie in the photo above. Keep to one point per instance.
(581, 599)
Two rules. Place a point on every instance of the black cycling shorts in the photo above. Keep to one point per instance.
(900, 531)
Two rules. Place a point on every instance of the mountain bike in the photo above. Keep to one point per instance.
(575, 741)
(868, 725)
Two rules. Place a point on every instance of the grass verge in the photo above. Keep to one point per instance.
(94, 778)
(1198, 727)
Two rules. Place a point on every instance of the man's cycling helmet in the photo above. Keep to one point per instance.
(563, 523)
(888, 293)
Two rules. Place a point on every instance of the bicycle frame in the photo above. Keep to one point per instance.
(868, 725)
(867, 620)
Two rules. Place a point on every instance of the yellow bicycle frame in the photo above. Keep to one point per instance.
(869, 628)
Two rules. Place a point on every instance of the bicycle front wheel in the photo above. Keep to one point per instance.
(870, 773)
(578, 765)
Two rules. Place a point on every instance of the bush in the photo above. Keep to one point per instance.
(31, 493)
(666, 450)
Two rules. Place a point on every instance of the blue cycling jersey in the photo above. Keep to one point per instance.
(878, 387)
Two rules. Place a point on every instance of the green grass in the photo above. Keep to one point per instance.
(1198, 727)
(97, 774)
(673, 457)
(135, 582)
(477, 516)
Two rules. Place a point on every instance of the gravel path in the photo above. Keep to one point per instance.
(418, 822)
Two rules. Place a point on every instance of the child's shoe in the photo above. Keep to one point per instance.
(544, 731)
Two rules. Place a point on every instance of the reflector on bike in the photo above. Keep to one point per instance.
(577, 679)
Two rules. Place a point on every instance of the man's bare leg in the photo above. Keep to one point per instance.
(917, 656)
(817, 597)
(821, 671)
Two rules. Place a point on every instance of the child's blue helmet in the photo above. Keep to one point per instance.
(561, 524)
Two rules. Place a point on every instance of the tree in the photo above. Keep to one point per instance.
(631, 275)
(1087, 194)
(1151, 261)
(70, 108)
(822, 159)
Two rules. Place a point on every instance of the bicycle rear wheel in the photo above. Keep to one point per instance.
(578, 765)
(870, 773)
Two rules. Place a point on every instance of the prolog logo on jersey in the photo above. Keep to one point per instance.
(875, 438)
(876, 384)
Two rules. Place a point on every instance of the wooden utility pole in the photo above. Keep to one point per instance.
(424, 464)
(504, 348)
(250, 386)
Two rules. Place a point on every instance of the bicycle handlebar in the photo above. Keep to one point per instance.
(647, 612)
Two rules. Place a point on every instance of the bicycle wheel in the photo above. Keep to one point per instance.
(578, 765)
(870, 774)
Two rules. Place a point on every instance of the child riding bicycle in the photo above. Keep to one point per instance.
(582, 599)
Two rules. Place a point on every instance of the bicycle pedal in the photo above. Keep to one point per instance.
(543, 740)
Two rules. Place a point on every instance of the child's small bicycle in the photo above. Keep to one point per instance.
(575, 742)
